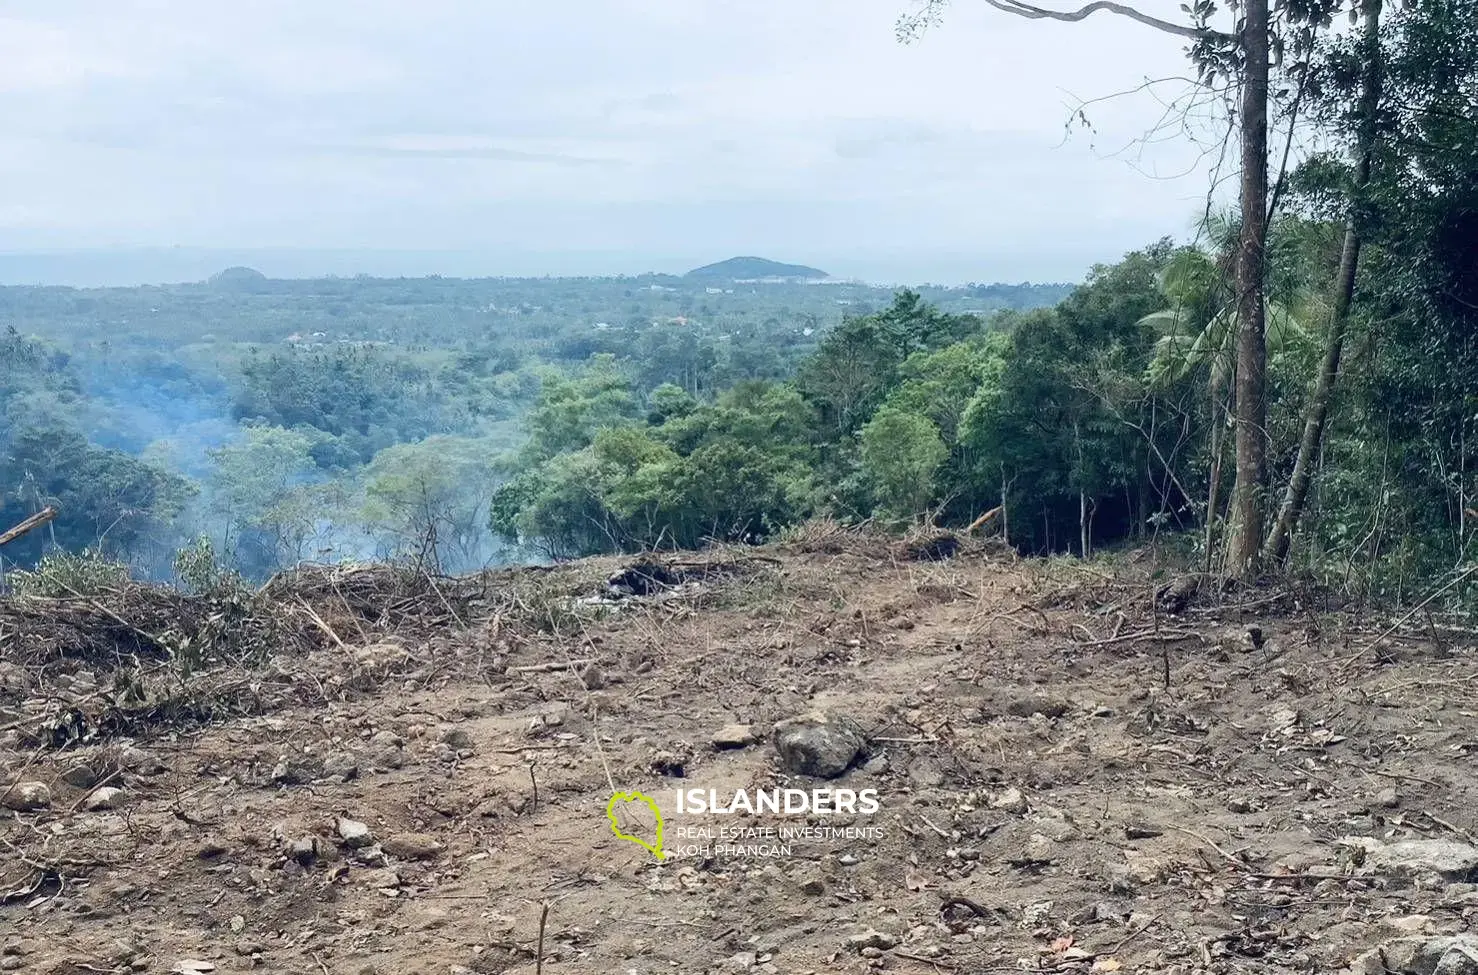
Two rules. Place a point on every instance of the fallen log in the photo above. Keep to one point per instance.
(35, 521)
(985, 519)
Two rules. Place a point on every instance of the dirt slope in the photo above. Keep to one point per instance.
(1068, 782)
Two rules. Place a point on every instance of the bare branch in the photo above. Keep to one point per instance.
(1032, 12)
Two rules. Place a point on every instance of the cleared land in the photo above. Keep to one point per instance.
(1074, 773)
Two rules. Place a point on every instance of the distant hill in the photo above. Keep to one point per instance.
(244, 279)
(745, 268)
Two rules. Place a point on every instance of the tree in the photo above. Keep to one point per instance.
(431, 498)
(250, 487)
(1365, 126)
(1247, 53)
(901, 452)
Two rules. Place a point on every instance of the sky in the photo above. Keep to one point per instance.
(582, 137)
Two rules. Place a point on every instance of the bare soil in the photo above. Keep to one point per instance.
(1070, 780)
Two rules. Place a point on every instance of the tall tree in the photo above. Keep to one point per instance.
(1247, 52)
(1367, 118)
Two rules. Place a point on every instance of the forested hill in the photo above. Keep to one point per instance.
(357, 417)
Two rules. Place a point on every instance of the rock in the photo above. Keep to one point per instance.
(819, 744)
(27, 797)
(1412, 924)
(297, 770)
(382, 878)
(1048, 707)
(455, 738)
(139, 762)
(341, 764)
(249, 946)
(734, 736)
(211, 848)
(388, 757)
(356, 835)
(872, 938)
(103, 799)
(741, 962)
(592, 678)
(1010, 801)
(238, 924)
(304, 850)
(1388, 798)
(1454, 955)
(413, 846)
(1427, 862)
(83, 776)
(11, 963)
(1284, 719)
(386, 739)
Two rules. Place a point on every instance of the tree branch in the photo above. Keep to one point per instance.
(1031, 12)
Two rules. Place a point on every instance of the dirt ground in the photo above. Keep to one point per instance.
(1069, 780)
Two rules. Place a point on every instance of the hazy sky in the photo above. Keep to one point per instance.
(595, 136)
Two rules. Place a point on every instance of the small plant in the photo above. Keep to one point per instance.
(200, 570)
(87, 573)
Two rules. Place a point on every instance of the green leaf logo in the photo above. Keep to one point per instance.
(655, 847)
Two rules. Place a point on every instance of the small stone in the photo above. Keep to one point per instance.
(11, 963)
(734, 736)
(356, 835)
(1388, 798)
(82, 776)
(1010, 801)
(238, 924)
(247, 947)
(871, 952)
(140, 762)
(382, 878)
(304, 850)
(297, 770)
(103, 799)
(211, 848)
(592, 678)
(742, 962)
(455, 738)
(341, 764)
(819, 744)
(388, 757)
(413, 846)
(872, 938)
(27, 797)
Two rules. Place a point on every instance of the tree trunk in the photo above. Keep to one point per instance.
(1083, 523)
(1281, 539)
(1245, 541)
(1213, 486)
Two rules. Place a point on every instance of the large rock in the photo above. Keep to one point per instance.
(821, 744)
(27, 797)
(1455, 955)
(1426, 862)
